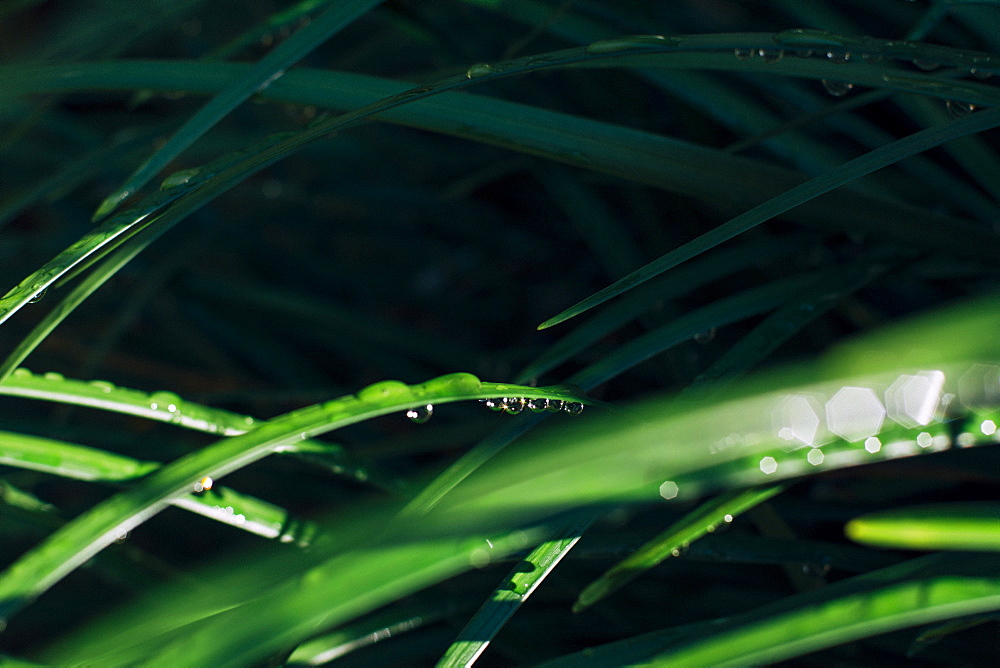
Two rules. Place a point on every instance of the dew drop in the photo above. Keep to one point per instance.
(21, 372)
(837, 88)
(52, 375)
(555, 405)
(202, 484)
(38, 296)
(980, 74)
(705, 337)
(838, 57)
(771, 56)
(573, 407)
(675, 552)
(479, 70)
(513, 405)
(387, 390)
(102, 385)
(164, 401)
(493, 404)
(743, 54)
(420, 414)
(538, 404)
(181, 178)
(871, 57)
(958, 109)
(926, 65)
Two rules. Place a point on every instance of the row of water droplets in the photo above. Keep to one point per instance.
(515, 405)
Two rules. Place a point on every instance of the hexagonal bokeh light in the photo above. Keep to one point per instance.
(980, 386)
(912, 400)
(796, 420)
(854, 413)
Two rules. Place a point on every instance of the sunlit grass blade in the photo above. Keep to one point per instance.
(929, 589)
(849, 171)
(72, 545)
(952, 526)
(68, 460)
(674, 541)
(519, 584)
(269, 68)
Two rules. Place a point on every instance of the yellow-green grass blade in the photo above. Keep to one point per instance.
(929, 589)
(259, 76)
(865, 164)
(951, 526)
(68, 460)
(701, 521)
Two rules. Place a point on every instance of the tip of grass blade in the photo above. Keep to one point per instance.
(109, 204)
(581, 306)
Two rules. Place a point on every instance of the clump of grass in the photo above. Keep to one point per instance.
(755, 249)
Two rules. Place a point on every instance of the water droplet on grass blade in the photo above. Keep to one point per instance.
(705, 337)
(838, 57)
(743, 54)
(538, 404)
(573, 407)
(479, 70)
(771, 55)
(54, 376)
(181, 178)
(513, 405)
(958, 109)
(631, 43)
(102, 385)
(837, 88)
(38, 296)
(420, 414)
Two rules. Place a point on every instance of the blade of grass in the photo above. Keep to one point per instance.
(952, 526)
(920, 591)
(259, 76)
(853, 169)
(672, 542)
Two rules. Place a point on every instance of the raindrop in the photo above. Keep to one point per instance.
(675, 552)
(980, 74)
(479, 70)
(771, 56)
(420, 414)
(555, 405)
(38, 296)
(164, 401)
(573, 407)
(705, 337)
(52, 375)
(837, 88)
(804, 53)
(181, 178)
(926, 65)
(743, 54)
(955, 109)
(538, 404)
(838, 57)
(204, 483)
(21, 372)
(122, 537)
(513, 405)
(102, 385)
(493, 404)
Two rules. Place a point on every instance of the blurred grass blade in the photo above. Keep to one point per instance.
(952, 526)
(849, 171)
(68, 460)
(519, 584)
(920, 591)
(265, 71)
(674, 541)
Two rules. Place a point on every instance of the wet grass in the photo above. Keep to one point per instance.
(755, 248)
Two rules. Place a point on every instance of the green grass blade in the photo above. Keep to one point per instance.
(675, 540)
(519, 584)
(954, 526)
(72, 545)
(929, 589)
(68, 460)
(849, 171)
(260, 75)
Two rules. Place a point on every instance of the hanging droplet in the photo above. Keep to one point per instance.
(837, 88)
(38, 296)
(513, 405)
(493, 404)
(958, 109)
(421, 414)
(838, 57)
(479, 70)
(771, 56)
(705, 337)
(555, 405)
(538, 404)
(925, 65)
(743, 54)
(573, 407)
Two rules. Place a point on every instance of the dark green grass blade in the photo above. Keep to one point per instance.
(675, 540)
(929, 589)
(953, 526)
(270, 67)
(510, 596)
(880, 157)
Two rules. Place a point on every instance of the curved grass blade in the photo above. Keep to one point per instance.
(506, 600)
(849, 171)
(259, 76)
(953, 526)
(920, 591)
(79, 540)
(675, 540)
